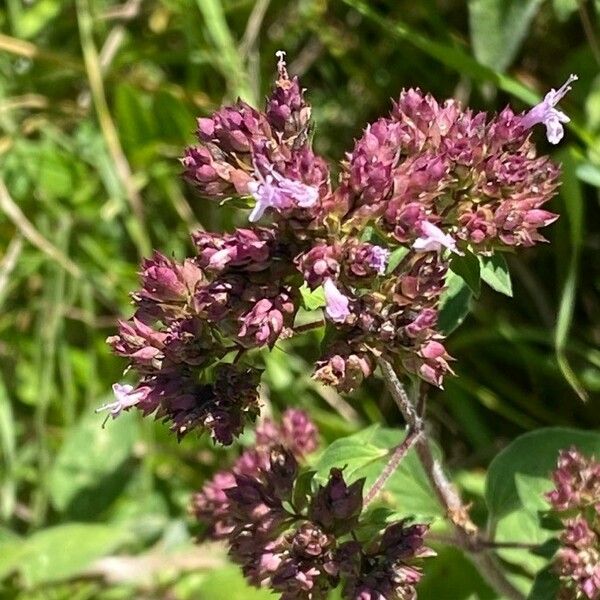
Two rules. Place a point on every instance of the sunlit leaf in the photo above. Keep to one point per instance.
(494, 271)
(85, 475)
(498, 28)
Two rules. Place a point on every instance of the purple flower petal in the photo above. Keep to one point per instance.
(546, 113)
(378, 259)
(280, 193)
(125, 397)
(433, 239)
(336, 303)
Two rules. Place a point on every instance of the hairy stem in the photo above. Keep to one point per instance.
(466, 531)
(395, 459)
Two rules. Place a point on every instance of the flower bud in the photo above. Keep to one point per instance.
(337, 506)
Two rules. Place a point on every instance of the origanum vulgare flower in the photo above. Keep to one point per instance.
(429, 182)
(295, 431)
(302, 541)
(576, 499)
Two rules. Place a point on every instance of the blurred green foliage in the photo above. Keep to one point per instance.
(97, 101)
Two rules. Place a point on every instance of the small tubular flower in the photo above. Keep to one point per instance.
(125, 397)
(546, 112)
(433, 239)
(336, 303)
(278, 192)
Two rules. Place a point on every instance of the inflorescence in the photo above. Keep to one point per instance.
(426, 183)
(301, 538)
(576, 499)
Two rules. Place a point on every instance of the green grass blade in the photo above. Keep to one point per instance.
(229, 59)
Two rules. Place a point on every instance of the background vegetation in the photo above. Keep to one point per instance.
(97, 101)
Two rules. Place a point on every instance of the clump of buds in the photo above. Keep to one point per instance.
(427, 183)
(576, 499)
(299, 538)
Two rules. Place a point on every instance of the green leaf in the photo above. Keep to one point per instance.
(367, 233)
(455, 303)
(36, 17)
(133, 114)
(228, 583)
(589, 173)
(498, 28)
(365, 454)
(396, 258)
(564, 8)
(59, 553)
(8, 446)
(522, 526)
(574, 207)
(302, 489)
(226, 50)
(349, 454)
(452, 56)
(545, 586)
(88, 471)
(312, 299)
(525, 466)
(172, 117)
(592, 110)
(494, 271)
(517, 481)
(468, 268)
(55, 173)
(450, 575)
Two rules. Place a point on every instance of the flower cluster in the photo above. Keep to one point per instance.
(302, 539)
(427, 183)
(576, 498)
(296, 432)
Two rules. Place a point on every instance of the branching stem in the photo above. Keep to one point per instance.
(466, 532)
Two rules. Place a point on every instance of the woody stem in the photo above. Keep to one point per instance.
(448, 496)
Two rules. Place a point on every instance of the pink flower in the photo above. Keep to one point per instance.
(378, 259)
(126, 397)
(546, 113)
(278, 192)
(433, 239)
(336, 303)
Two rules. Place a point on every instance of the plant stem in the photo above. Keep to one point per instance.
(395, 459)
(466, 531)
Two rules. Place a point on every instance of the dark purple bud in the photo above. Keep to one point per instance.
(283, 471)
(337, 506)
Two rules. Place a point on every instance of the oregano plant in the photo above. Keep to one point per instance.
(382, 253)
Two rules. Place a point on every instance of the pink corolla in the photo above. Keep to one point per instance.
(433, 239)
(336, 303)
(278, 192)
(125, 397)
(546, 113)
(378, 259)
